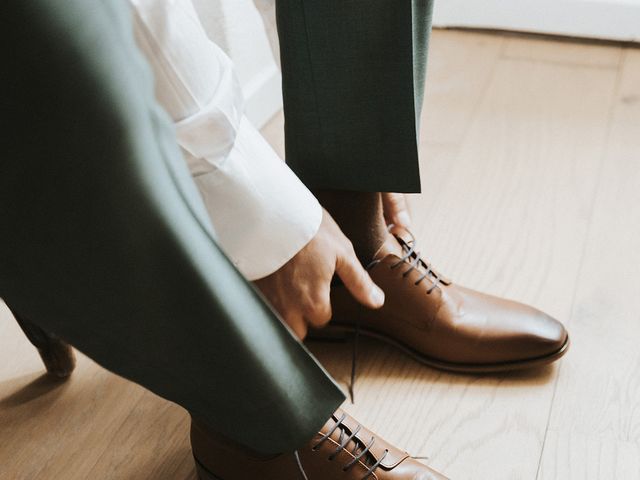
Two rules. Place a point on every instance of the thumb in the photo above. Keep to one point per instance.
(396, 210)
(358, 281)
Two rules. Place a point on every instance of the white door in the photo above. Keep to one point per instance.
(604, 19)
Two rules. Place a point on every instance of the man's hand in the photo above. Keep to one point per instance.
(300, 289)
(396, 211)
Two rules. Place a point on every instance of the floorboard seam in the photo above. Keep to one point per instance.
(585, 243)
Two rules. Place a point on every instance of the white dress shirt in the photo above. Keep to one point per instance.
(261, 212)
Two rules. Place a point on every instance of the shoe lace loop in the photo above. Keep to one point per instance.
(359, 451)
(416, 261)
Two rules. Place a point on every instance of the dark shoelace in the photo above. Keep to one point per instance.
(410, 252)
(416, 261)
(296, 455)
(359, 451)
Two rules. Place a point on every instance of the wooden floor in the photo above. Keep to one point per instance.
(531, 180)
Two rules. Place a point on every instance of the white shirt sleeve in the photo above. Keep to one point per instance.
(261, 212)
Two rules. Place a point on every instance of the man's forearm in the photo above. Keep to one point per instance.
(263, 215)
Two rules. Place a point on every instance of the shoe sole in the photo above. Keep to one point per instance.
(203, 473)
(343, 333)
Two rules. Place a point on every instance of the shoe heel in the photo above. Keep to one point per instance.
(204, 474)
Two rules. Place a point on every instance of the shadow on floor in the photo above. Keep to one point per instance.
(36, 386)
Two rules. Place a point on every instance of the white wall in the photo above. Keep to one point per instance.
(604, 19)
(237, 28)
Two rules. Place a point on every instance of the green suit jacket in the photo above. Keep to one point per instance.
(105, 242)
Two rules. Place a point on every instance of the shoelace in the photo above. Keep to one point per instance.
(416, 261)
(359, 451)
(410, 252)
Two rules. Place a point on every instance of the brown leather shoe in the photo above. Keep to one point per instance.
(444, 325)
(341, 450)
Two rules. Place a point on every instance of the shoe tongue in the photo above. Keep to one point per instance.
(405, 246)
(391, 245)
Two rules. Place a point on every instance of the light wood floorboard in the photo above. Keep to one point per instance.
(594, 429)
(531, 185)
(507, 213)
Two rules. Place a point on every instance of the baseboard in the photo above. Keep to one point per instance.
(263, 96)
(601, 19)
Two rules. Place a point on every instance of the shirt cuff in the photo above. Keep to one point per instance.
(262, 213)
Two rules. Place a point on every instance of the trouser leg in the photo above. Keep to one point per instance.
(105, 241)
(353, 77)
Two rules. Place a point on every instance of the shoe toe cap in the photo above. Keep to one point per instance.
(525, 333)
(507, 331)
(549, 337)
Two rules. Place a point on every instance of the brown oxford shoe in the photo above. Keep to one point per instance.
(341, 450)
(444, 325)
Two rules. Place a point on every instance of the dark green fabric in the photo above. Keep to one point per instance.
(422, 12)
(105, 241)
(353, 76)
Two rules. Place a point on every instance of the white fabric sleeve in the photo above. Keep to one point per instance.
(262, 213)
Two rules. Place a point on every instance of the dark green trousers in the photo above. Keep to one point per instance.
(353, 77)
(105, 241)
(104, 238)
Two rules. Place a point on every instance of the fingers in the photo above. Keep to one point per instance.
(396, 210)
(312, 310)
(298, 324)
(358, 281)
(302, 300)
(318, 310)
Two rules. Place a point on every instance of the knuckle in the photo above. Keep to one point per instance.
(320, 319)
(313, 312)
(326, 315)
(308, 309)
(320, 313)
(321, 296)
(346, 246)
(349, 247)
